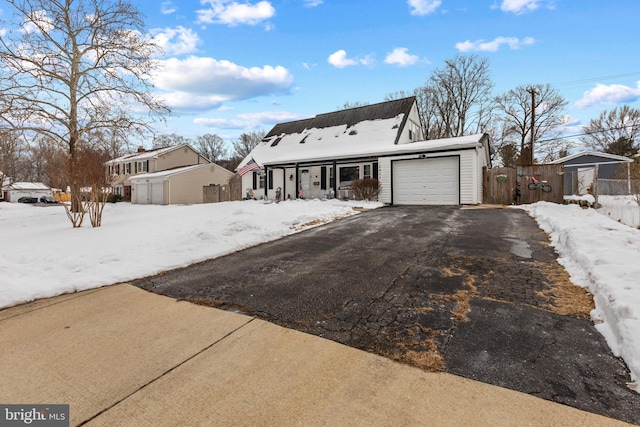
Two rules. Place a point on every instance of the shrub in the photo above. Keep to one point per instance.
(114, 198)
(366, 189)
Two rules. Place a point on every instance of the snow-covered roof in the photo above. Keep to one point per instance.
(611, 157)
(166, 173)
(148, 154)
(354, 132)
(30, 186)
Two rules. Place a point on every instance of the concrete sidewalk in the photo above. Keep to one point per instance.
(121, 356)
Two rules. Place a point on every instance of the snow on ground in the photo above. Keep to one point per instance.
(602, 255)
(42, 256)
(624, 209)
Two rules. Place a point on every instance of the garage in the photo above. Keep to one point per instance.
(142, 196)
(431, 181)
(157, 193)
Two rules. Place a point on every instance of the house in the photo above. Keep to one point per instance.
(321, 156)
(182, 185)
(120, 170)
(4, 183)
(13, 191)
(579, 169)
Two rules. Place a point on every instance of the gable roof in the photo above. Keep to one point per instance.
(175, 171)
(609, 157)
(28, 186)
(340, 134)
(152, 154)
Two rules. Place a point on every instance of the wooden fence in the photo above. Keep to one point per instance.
(223, 193)
(501, 184)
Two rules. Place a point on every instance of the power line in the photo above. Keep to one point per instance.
(586, 133)
(595, 79)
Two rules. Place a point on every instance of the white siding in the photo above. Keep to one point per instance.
(470, 174)
(432, 181)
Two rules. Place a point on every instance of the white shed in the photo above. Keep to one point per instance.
(14, 191)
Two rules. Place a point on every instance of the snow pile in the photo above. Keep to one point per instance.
(623, 209)
(43, 256)
(603, 256)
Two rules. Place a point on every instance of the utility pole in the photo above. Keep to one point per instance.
(532, 91)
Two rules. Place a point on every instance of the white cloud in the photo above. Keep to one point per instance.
(209, 81)
(423, 7)
(186, 101)
(233, 13)
(494, 45)
(519, 6)
(312, 3)
(400, 57)
(38, 21)
(167, 8)
(270, 117)
(176, 41)
(249, 120)
(609, 94)
(339, 59)
(221, 123)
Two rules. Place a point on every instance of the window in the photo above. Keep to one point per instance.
(128, 168)
(263, 178)
(142, 166)
(367, 171)
(348, 175)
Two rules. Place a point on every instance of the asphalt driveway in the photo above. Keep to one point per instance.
(473, 292)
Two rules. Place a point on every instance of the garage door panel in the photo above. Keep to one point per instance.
(432, 181)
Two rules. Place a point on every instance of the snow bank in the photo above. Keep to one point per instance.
(603, 256)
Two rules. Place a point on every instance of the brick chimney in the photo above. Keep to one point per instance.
(141, 149)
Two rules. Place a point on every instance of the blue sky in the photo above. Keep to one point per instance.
(244, 65)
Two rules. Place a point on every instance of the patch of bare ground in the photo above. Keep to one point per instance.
(420, 350)
(315, 222)
(562, 295)
(223, 305)
(462, 300)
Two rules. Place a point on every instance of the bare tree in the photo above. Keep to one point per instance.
(247, 142)
(354, 104)
(397, 95)
(169, 140)
(72, 67)
(14, 157)
(615, 131)
(460, 93)
(515, 111)
(211, 146)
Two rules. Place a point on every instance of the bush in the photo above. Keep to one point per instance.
(114, 198)
(366, 189)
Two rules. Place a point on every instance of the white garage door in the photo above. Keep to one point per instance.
(142, 196)
(157, 194)
(433, 181)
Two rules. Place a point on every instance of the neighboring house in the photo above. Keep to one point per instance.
(15, 190)
(120, 170)
(4, 183)
(579, 169)
(321, 157)
(177, 186)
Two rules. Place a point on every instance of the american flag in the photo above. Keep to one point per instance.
(251, 165)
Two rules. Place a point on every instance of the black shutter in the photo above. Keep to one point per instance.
(323, 178)
(270, 178)
(255, 180)
(148, 166)
(375, 170)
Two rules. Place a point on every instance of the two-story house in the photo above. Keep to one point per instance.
(164, 175)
